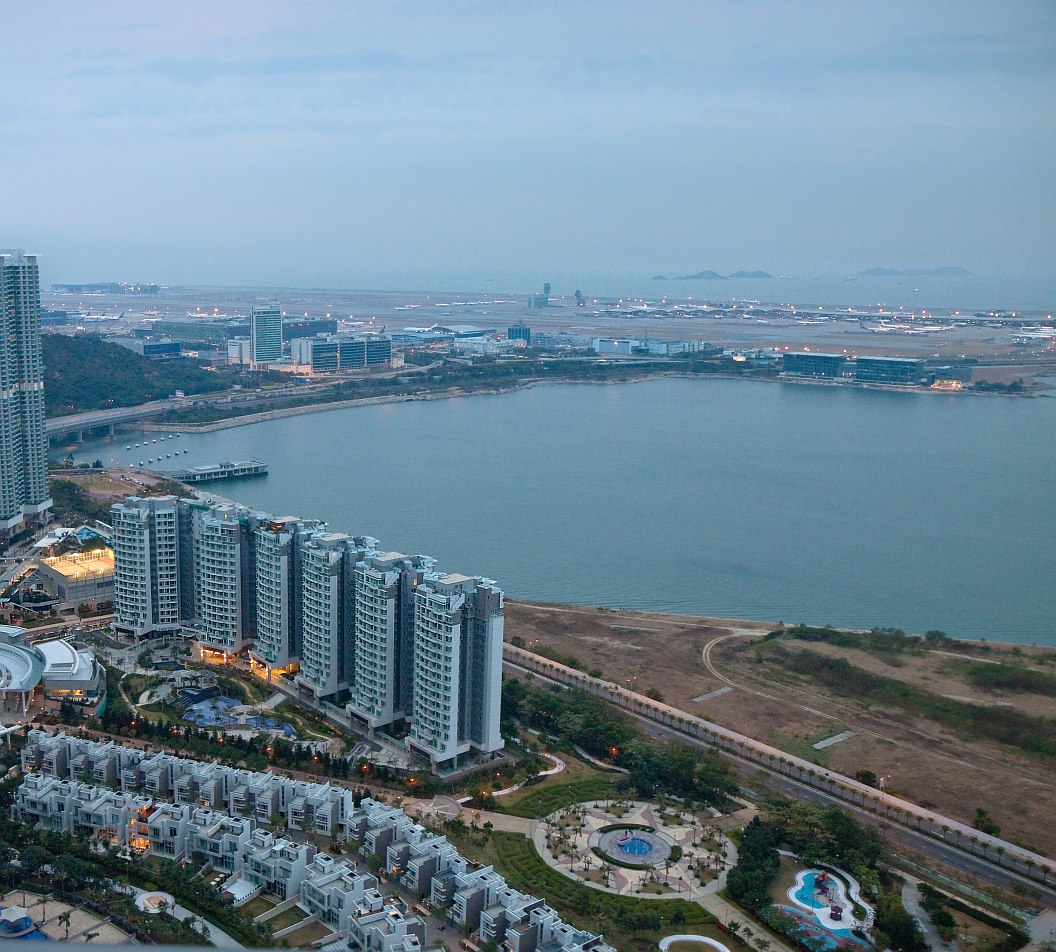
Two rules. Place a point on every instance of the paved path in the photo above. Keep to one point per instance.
(215, 934)
(911, 899)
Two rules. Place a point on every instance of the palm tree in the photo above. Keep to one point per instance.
(64, 920)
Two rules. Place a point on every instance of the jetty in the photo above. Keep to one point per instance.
(237, 470)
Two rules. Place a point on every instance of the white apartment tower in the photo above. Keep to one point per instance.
(225, 582)
(328, 563)
(384, 631)
(458, 628)
(23, 439)
(146, 566)
(265, 335)
(278, 570)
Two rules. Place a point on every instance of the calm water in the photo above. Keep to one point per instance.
(722, 497)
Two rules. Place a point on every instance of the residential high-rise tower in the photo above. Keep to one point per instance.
(23, 439)
(146, 566)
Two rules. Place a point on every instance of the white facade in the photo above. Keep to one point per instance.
(422, 862)
(23, 439)
(458, 627)
(223, 579)
(384, 631)
(278, 605)
(146, 566)
(265, 335)
(325, 641)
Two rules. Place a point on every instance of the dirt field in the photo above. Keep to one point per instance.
(113, 485)
(923, 761)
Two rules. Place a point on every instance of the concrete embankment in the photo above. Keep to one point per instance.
(248, 418)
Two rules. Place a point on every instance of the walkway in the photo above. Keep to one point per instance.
(911, 899)
(215, 934)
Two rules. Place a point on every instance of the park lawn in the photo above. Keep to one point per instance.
(136, 684)
(157, 714)
(578, 782)
(785, 879)
(976, 934)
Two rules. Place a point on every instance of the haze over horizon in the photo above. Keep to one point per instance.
(336, 144)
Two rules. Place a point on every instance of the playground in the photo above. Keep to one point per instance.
(821, 904)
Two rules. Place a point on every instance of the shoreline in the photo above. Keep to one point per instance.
(695, 621)
(250, 418)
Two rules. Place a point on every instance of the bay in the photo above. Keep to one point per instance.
(712, 497)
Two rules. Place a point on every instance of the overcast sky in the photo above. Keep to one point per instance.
(342, 143)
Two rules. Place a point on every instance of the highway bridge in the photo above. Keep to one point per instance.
(80, 425)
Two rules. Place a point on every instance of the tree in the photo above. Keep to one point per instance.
(64, 920)
(985, 823)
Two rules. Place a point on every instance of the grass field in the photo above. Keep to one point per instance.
(578, 782)
(545, 799)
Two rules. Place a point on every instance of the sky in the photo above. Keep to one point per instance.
(347, 144)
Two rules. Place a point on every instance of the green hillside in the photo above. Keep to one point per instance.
(88, 373)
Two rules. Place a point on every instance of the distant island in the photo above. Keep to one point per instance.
(947, 272)
(711, 276)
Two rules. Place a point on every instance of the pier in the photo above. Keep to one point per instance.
(237, 470)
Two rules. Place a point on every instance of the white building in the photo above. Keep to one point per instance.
(328, 562)
(458, 627)
(146, 566)
(23, 439)
(265, 334)
(278, 577)
(423, 863)
(276, 866)
(239, 350)
(384, 637)
(224, 581)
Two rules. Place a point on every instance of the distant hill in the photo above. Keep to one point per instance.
(711, 276)
(89, 373)
(699, 276)
(946, 272)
